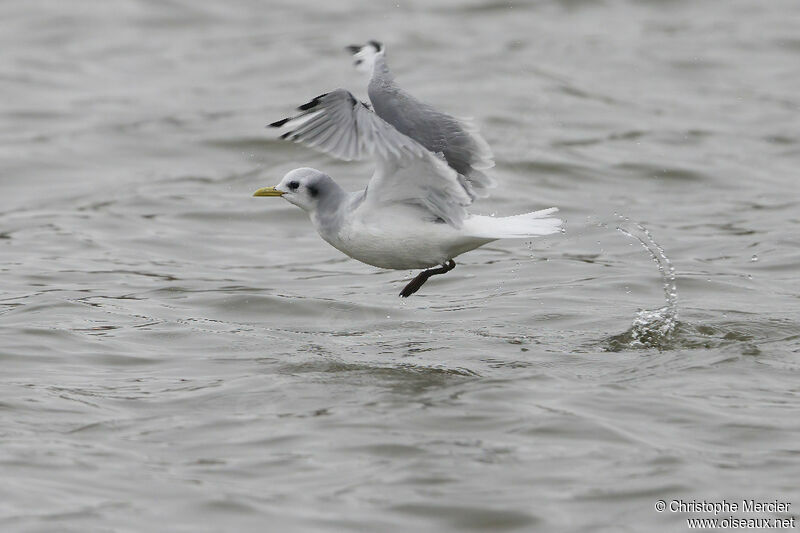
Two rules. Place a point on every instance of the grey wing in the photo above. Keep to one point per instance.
(426, 181)
(457, 140)
(338, 124)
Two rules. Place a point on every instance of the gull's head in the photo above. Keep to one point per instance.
(364, 56)
(306, 188)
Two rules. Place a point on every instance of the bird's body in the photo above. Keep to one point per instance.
(398, 236)
(429, 168)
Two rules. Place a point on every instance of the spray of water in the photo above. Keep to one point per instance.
(651, 328)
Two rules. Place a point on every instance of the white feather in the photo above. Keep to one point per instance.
(534, 224)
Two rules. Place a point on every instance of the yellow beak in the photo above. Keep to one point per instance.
(268, 191)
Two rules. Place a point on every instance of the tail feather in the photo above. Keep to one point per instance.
(527, 225)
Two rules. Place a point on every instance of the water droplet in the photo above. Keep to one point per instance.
(754, 258)
(668, 314)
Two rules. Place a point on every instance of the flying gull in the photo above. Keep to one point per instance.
(429, 167)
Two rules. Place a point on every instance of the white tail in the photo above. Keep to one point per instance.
(532, 224)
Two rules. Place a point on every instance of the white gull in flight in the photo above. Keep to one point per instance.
(429, 168)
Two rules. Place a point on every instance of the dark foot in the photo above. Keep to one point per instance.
(423, 276)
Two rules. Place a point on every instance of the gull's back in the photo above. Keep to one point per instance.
(456, 140)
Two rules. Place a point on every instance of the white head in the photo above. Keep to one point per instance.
(364, 56)
(307, 188)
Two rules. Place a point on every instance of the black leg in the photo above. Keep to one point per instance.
(423, 276)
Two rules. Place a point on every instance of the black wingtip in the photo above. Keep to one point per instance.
(278, 123)
(312, 103)
(353, 48)
(377, 44)
(286, 134)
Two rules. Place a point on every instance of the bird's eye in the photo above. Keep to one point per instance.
(293, 185)
(359, 61)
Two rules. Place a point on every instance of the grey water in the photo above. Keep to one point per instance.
(179, 356)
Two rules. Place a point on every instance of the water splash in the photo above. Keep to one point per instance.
(651, 328)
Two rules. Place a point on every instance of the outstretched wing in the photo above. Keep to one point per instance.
(457, 140)
(338, 124)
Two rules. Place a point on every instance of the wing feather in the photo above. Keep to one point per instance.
(458, 140)
(339, 125)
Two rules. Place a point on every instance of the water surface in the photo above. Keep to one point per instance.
(180, 356)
